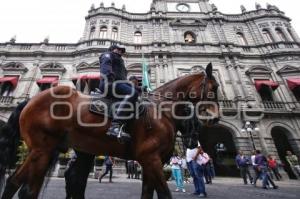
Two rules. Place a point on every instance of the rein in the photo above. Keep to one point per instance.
(203, 89)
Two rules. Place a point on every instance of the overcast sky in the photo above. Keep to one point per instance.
(63, 20)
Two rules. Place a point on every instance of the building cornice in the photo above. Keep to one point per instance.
(212, 15)
(219, 49)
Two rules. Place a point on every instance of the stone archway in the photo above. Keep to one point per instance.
(219, 143)
(281, 138)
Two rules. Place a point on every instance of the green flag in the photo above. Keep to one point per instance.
(146, 79)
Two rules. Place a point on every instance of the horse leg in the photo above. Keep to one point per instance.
(10, 188)
(37, 168)
(153, 172)
(147, 188)
(15, 181)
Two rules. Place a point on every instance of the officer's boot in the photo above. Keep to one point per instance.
(118, 123)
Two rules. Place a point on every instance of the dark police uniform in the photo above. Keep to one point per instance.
(113, 68)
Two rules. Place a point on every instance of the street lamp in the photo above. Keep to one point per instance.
(250, 127)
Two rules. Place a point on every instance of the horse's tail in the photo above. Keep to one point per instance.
(9, 141)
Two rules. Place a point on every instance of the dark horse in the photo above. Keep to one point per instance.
(59, 118)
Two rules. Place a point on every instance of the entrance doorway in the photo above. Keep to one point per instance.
(280, 137)
(219, 144)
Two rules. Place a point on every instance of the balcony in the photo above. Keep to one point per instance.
(226, 104)
(271, 105)
(6, 99)
(230, 107)
(281, 107)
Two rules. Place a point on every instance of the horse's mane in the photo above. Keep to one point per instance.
(166, 85)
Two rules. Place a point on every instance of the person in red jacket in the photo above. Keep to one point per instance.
(273, 166)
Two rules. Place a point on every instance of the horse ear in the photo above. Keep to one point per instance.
(209, 70)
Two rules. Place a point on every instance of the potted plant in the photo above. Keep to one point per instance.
(63, 160)
(99, 160)
(22, 153)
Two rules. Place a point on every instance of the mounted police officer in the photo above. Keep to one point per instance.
(112, 67)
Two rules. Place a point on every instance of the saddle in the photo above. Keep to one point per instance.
(105, 106)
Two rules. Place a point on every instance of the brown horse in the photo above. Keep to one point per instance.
(59, 118)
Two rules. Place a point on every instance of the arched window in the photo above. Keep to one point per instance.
(114, 34)
(92, 32)
(103, 32)
(280, 34)
(267, 36)
(6, 89)
(138, 37)
(241, 39)
(189, 37)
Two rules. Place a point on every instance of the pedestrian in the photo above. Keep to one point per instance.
(176, 163)
(254, 166)
(212, 168)
(130, 165)
(207, 173)
(137, 170)
(191, 164)
(262, 166)
(293, 162)
(242, 163)
(185, 171)
(273, 166)
(109, 162)
(201, 159)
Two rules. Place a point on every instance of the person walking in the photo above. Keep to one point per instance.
(273, 166)
(191, 164)
(130, 165)
(185, 172)
(109, 162)
(176, 163)
(254, 166)
(262, 163)
(207, 173)
(201, 159)
(242, 163)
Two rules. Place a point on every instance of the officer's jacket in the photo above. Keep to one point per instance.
(112, 66)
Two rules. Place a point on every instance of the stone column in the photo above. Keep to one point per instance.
(157, 70)
(230, 72)
(239, 73)
(165, 72)
(262, 137)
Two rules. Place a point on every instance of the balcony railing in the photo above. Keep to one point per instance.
(270, 105)
(265, 106)
(6, 99)
(226, 104)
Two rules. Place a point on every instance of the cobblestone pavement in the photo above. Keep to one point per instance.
(225, 188)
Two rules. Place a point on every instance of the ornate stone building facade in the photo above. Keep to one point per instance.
(255, 54)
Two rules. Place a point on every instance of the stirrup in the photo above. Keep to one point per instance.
(122, 136)
(119, 134)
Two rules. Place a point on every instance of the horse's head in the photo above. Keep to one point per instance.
(205, 95)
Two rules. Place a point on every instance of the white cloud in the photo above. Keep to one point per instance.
(63, 20)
